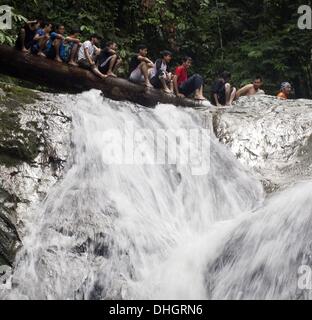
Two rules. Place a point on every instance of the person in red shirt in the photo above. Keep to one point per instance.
(185, 86)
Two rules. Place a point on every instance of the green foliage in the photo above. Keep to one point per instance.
(245, 37)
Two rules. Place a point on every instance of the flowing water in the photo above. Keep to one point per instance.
(127, 230)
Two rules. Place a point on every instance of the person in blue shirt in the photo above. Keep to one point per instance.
(56, 40)
(70, 48)
(61, 48)
(41, 38)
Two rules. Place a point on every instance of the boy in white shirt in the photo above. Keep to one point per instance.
(86, 55)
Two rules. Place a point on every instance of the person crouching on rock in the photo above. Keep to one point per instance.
(285, 91)
(87, 54)
(161, 78)
(185, 86)
(108, 60)
(140, 67)
(223, 94)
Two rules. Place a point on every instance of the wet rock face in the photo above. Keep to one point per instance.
(34, 143)
(271, 136)
(9, 238)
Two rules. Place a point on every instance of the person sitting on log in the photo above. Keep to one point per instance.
(52, 50)
(161, 78)
(251, 89)
(63, 49)
(185, 86)
(87, 53)
(223, 94)
(285, 91)
(26, 36)
(41, 38)
(108, 60)
(70, 48)
(140, 67)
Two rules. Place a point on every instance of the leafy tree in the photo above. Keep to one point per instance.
(245, 37)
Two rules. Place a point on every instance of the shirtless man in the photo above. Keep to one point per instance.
(251, 89)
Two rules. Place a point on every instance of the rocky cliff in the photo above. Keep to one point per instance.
(34, 137)
(271, 136)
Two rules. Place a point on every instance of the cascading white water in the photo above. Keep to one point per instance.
(148, 231)
(278, 238)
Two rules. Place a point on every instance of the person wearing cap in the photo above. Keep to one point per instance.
(285, 91)
(161, 78)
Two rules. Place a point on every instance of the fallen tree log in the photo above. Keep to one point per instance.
(74, 79)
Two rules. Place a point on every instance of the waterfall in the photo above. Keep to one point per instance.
(278, 238)
(123, 230)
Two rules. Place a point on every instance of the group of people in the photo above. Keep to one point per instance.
(41, 38)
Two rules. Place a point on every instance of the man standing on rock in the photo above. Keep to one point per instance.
(251, 89)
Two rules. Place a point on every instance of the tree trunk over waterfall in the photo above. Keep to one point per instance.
(74, 79)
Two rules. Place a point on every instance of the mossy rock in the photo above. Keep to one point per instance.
(19, 94)
(4, 79)
(17, 145)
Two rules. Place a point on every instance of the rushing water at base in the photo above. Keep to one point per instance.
(157, 231)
